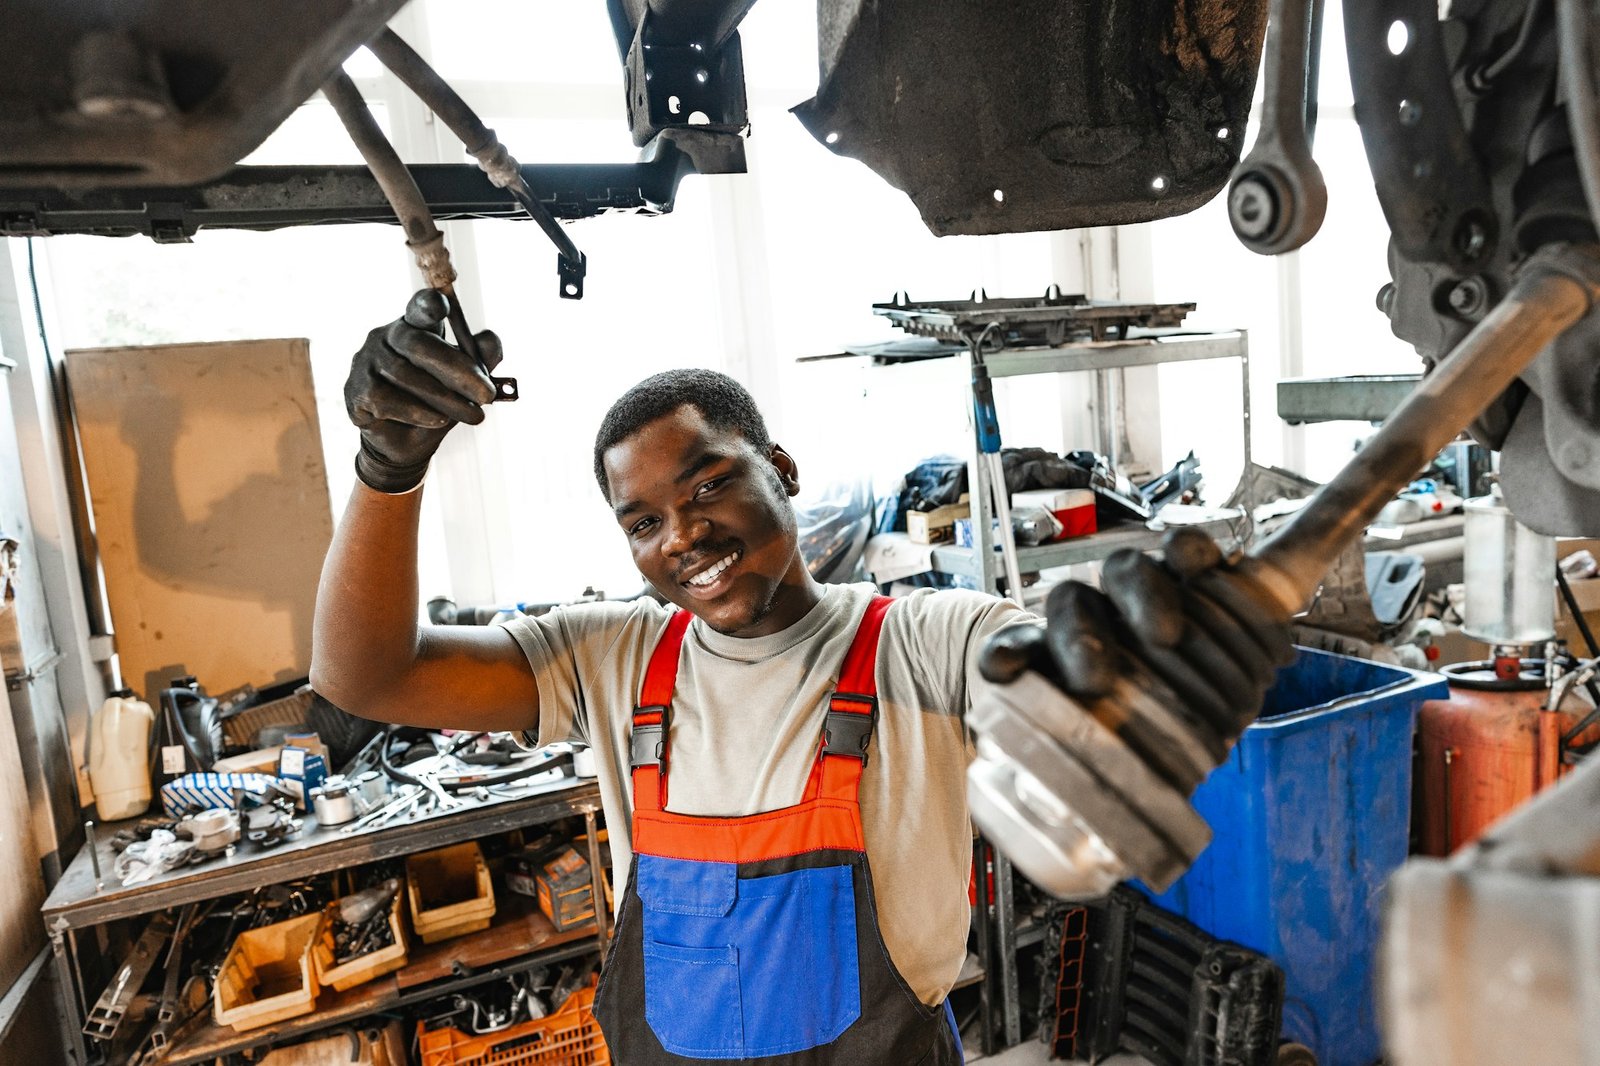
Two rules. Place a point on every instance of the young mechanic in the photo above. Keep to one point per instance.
(757, 741)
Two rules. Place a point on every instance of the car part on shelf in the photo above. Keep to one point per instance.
(1047, 116)
(335, 801)
(422, 236)
(1075, 795)
(1277, 198)
(213, 830)
(1051, 319)
(105, 1017)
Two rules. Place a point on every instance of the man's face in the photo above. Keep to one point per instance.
(709, 522)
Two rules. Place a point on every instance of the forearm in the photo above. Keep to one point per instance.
(365, 640)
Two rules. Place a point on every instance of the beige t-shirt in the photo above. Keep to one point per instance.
(747, 714)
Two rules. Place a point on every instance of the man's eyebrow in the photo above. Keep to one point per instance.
(698, 464)
(704, 460)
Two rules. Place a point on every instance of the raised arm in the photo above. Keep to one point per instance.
(407, 388)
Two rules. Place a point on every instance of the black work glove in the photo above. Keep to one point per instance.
(408, 386)
(1189, 627)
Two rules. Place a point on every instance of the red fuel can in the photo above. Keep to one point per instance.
(1486, 750)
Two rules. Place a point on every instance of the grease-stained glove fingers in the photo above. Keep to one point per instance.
(427, 310)
(408, 386)
(382, 401)
(489, 348)
(1250, 606)
(1188, 641)
(443, 403)
(1187, 551)
(447, 364)
(1083, 637)
(1013, 650)
(1147, 597)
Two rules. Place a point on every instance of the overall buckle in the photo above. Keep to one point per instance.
(848, 732)
(647, 744)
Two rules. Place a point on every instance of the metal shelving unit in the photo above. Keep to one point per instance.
(1139, 348)
(78, 906)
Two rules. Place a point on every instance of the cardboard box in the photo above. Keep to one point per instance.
(938, 525)
(566, 890)
(1073, 508)
(300, 771)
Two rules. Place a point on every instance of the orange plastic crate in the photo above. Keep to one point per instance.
(568, 1037)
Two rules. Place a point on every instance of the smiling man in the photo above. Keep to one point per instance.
(781, 762)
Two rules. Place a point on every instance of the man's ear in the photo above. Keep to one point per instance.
(788, 469)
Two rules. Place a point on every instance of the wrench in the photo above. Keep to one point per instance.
(387, 812)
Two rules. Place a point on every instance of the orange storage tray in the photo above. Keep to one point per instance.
(568, 1037)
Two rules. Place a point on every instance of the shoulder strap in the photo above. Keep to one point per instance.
(652, 718)
(852, 711)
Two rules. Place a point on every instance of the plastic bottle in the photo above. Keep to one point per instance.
(119, 756)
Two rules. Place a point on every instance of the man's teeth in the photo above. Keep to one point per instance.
(710, 574)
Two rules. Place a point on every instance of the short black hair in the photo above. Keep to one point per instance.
(722, 402)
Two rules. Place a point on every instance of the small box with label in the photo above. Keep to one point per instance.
(566, 890)
(938, 525)
(300, 771)
(1073, 508)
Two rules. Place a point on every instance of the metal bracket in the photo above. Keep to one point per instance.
(570, 274)
(105, 1018)
(1430, 182)
(17, 680)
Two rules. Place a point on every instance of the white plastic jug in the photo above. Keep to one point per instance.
(119, 756)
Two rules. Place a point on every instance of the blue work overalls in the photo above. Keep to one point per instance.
(756, 938)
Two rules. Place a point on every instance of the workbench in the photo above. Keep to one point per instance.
(520, 938)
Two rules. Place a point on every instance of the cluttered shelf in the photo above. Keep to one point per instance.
(520, 938)
(952, 559)
(78, 901)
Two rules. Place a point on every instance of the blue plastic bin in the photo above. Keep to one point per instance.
(1311, 814)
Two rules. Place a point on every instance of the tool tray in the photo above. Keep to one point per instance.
(269, 975)
(365, 967)
(450, 892)
(568, 1036)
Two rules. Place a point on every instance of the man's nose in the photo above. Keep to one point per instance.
(683, 533)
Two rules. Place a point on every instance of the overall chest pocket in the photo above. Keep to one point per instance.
(743, 968)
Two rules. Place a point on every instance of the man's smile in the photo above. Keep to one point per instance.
(707, 576)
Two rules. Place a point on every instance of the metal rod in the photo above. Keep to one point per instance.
(597, 884)
(94, 854)
(1556, 288)
(400, 189)
(480, 141)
